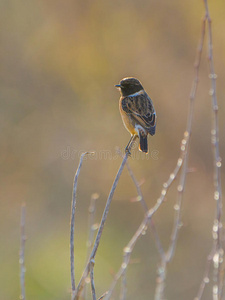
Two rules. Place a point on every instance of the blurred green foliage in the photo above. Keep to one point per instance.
(59, 63)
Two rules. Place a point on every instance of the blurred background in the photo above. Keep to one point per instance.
(60, 61)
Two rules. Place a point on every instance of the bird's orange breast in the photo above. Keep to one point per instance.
(127, 121)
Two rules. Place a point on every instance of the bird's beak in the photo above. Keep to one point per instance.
(117, 85)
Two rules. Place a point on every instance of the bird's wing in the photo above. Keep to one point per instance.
(141, 109)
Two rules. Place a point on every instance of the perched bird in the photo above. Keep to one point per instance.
(137, 111)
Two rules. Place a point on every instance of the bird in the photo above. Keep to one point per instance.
(137, 112)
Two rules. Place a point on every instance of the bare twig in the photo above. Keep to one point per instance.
(101, 227)
(92, 279)
(141, 199)
(72, 223)
(91, 229)
(217, 252)
(205, 279)
(185, 143)
(145, 207)
(22, 250)
(217, 227)
(144, 225)
(127, 254)
(183, 161)
(91, 223)
(154, 231)
(103, 296)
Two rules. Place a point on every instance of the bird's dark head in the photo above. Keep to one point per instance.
(129, 86)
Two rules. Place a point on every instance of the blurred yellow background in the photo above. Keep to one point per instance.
(60, 61)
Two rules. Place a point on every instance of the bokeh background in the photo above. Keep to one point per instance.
(59, 63)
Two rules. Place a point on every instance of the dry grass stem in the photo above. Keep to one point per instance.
(217, 253)
(72, 224)
(183, 162)
(103, 296)
(92, 227)
(92, 279)
(141, 199)
(101, 227)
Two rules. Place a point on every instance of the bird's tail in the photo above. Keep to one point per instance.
(143, 146)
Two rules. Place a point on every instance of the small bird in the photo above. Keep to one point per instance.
(137, 112)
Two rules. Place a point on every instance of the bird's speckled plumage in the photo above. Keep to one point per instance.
(137, 110)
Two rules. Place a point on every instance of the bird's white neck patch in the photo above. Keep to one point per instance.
(137, 93)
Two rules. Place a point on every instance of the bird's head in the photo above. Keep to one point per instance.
(129, 86)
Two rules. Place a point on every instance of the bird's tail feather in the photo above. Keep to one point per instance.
(143, 146)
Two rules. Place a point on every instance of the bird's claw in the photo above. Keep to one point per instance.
(127, 150)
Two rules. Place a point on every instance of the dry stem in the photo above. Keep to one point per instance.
(183, 160)
(72, 224)
(217, 253)
(86, 272)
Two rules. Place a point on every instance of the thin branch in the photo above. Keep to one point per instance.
(92, 280)
(217, 253)
(103, 296)
(183, 161)
(154, 231)
(185, 145)
(72, 223)
(217, 227)
(205, 279)
(91, 229)
(123, 289)
(177, 207)
(91, 223)
(22, 250)
(144, 205)
(143, 227)
(101, 227)
(127, 252)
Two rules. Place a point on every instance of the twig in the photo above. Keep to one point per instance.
(177, 207)
(91, 223)
(101, 227)
(92, 279)
(123, 289)
(22, 250)
(183, 161)
(72, 223)
(217, 252)
(217, 227)
(145, 207)
(205, 279)
(143, 227)
(91, 229)
(154, 231)
(159, 292)
(127, 253)
(185, 144)
(103, 296)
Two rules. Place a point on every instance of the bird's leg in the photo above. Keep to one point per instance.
(129, 145)
(127, 149)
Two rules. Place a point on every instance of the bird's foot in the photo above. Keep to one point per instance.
(127, 150)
